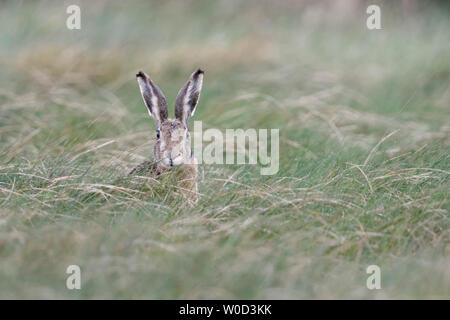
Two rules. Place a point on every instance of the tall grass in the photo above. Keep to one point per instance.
(364, 151)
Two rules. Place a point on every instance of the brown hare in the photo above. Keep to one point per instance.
(173, 146)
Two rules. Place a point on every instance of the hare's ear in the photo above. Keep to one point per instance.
(153, 98)
(188, 96)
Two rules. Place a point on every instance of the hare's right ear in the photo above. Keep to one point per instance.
(153, 98)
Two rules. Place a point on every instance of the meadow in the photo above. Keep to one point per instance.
(364, 120)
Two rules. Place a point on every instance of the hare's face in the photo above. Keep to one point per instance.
(172, 146)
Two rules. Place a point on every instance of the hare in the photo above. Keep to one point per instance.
(173, 147)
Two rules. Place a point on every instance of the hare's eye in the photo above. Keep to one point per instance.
(158, 134)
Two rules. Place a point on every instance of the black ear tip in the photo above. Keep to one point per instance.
(140, 74)
(199, 71)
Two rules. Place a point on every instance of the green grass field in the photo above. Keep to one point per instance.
(364, 119)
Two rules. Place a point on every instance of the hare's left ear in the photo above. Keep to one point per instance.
(188, 96)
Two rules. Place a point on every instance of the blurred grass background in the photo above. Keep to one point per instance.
(364, 150)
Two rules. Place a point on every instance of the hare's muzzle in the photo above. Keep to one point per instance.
(172, 161)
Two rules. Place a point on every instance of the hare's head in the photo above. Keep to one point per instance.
(173, 145)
